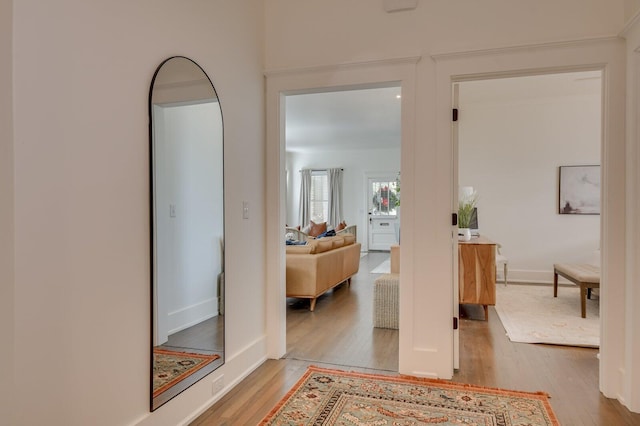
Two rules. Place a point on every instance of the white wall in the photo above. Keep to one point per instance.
(189, 177)
(510, 151)
(82, 291)
(6, 214)
(356, 164)
(361, 30)
(631, 7)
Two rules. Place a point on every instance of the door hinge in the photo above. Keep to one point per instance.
(455, 323)
(454, 116)
(454, 219)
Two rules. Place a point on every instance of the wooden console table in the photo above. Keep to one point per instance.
(477, 272)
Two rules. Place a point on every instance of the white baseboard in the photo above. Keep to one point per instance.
(242, 363)
(191, 315)
(186, 407)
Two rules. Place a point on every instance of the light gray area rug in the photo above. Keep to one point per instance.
(383, 268)
(530, 314)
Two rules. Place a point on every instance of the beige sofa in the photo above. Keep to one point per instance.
(320, 265)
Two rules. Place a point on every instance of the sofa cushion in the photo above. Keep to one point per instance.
(296, 249)
(319, 245)
(348, 238)
(322, 245)
(338, 242)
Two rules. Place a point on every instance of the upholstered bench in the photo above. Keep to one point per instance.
(585, 275)
(385, 301)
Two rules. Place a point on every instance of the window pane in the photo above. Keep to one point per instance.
(319, 196)
(385, 197)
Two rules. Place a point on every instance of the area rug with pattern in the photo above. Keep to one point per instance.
(530, 314)
(170, 367)
(332, 397)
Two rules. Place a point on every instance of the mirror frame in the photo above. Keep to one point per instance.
(153, 405)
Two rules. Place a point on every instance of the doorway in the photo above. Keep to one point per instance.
(356, 130)
(512, 136)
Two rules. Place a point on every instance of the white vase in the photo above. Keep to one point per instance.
(464, 234)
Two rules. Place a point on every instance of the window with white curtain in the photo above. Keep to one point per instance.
(319, 202)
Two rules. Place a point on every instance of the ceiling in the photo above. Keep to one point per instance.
(350, 119)
(370, 118)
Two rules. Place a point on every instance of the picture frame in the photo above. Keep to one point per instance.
(579, 190)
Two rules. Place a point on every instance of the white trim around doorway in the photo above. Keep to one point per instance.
(607, 55)
(280, 83)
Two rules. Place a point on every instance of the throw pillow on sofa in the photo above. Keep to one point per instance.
(316, 229)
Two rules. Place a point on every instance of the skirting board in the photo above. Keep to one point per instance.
(250, 354)
(192, 315)
(236, 368)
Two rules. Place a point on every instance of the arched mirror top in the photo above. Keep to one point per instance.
(179, 79)
(187, 228)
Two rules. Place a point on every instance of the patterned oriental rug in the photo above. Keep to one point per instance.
(331, 397)
(170, 367)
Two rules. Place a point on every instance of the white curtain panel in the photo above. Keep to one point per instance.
(335, 196)
(305, 197)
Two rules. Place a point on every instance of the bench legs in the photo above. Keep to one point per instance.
(584, 292)
(583, 300)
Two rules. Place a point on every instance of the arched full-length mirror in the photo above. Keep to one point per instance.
(187, 218)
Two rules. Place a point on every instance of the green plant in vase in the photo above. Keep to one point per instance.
(466, 204)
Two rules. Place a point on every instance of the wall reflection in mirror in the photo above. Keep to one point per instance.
(187, 238)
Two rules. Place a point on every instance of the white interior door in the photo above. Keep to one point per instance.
(383, 219)
(454, 231)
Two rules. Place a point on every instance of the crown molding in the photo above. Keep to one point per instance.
(343, 65)
(516, 48)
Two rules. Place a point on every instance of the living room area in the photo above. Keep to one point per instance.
(513, 142)
(344, 146)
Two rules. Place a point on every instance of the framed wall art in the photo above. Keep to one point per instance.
(579, 190)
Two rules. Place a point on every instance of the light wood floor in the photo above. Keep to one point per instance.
(339, 334)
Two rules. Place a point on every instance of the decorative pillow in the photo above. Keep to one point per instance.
(317, 228)
(341, 226)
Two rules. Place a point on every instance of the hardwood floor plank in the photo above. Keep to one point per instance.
(340, 335)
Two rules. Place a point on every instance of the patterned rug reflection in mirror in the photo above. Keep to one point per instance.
(170, 367)
(331, 397)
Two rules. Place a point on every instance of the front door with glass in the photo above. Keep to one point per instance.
(384, 221)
